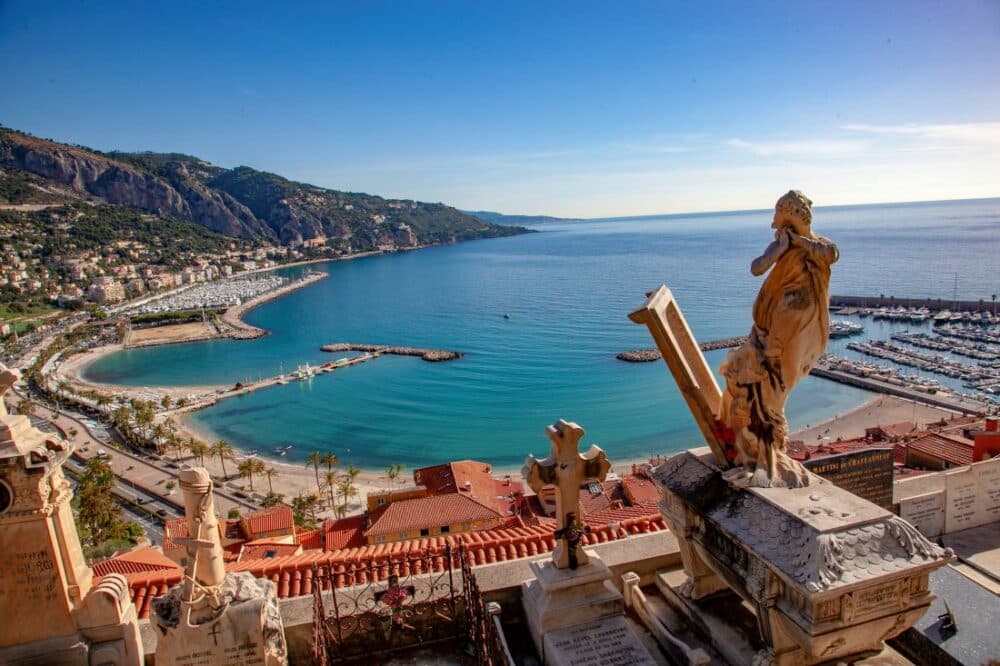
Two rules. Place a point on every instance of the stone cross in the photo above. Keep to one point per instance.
(673, 337)
(567, 470)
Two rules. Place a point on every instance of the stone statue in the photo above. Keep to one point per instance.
(791, 327)
(567, 470)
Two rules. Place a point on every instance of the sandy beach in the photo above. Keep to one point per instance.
(296, 478)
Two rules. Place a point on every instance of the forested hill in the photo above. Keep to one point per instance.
(500, 218)
(241, 203)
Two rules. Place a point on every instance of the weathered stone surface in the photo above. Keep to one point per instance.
(925, 512)
(43, 575)
(247, 631)
(829, 574)
(607, 642)
(213, 618)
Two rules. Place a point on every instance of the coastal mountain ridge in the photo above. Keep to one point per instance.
(241, 203)
(517, 220)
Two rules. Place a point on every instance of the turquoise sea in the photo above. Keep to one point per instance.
(568, 290)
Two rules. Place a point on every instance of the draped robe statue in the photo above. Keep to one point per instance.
(791, 327)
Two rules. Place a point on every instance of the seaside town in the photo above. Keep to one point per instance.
(280, 384)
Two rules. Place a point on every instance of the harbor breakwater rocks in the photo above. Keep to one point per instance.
(429, 355)
(647, 355)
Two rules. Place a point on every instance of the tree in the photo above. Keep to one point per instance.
(26, 407)
(315, 458)
(245, 470)
(273, 499)
(63, 388)
(340, 510)
(222, 450)
(330, 460)
(346, 489)
(331, 485)
(166, 401)
(98, 515)
(269, 474)
(198, 449)
(393, 471)
(102, 402)
(304, 511)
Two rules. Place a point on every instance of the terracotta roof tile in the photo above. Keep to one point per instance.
(345, 533)
(293, 573)
(271, 519)
(263, 549)
(144, 558)
(407, 515)
(640, 490)
(309, 538)
(944, 448)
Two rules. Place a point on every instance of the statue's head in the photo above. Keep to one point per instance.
(794, 211)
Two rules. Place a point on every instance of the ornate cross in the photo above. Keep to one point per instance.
(567, 470)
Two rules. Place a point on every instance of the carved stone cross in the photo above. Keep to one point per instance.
(567, 470)
(661, 314)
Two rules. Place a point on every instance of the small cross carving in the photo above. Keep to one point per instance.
(215, 633)
(567, 470)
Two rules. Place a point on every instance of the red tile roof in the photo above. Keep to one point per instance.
(264, 549)
(293, 574)
(345, 533)
(944, 448)
(407, 515)
(143, 558)
(894, 430)
(639, 490)
(310, 538)
(271, 519)
(471, 478)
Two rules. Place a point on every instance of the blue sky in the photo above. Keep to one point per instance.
(575, 109)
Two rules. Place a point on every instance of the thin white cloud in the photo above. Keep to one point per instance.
(657, 149)
(988, 132)
(802, 147)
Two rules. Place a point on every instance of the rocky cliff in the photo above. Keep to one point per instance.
(241, 202)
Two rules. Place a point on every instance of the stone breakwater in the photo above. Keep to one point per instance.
(430, 355)
(646, 355)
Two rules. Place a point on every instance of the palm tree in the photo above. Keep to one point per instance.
(331, 484)
(198, 449)
(158, 432)
(353, 471)
(269, 474)
(346, 489)
(340, 510)
(393, 471)
(315, 458)
(250, 468)
(102, 402)
(221, 450)
(166, 401)
(330, 460)
(63, 388)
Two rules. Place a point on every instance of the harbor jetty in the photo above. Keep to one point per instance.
(647, 355)
(935, 304)
(429, 355)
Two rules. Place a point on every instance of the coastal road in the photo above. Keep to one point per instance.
(132, 471)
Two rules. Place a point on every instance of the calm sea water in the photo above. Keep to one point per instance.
(568, 290)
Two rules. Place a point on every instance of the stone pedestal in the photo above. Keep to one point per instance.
(50, 609)
(243, 628)
(828, 574)
(577, 616)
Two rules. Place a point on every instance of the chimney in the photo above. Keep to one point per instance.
(992, 424)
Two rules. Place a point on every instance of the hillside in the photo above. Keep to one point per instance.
(240, 203)
(500, 218)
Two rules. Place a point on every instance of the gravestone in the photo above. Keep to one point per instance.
(972, 495)
(44, 578)
(866, 473)
(925, 512)
(572, 593)
(213, 618)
